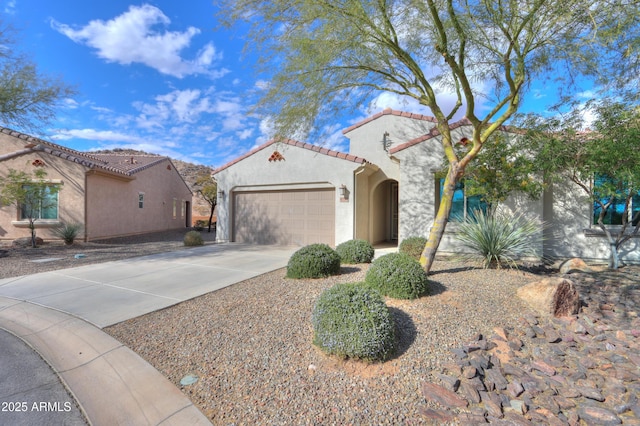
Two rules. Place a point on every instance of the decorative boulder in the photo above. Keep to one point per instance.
(552, 296)
(574, 265)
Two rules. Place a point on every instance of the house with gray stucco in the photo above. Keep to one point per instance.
(385, 189)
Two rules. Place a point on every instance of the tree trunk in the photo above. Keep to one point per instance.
(32, 227)
(213, 207)
(442, 217)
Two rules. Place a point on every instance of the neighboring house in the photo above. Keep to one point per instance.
(386, 189)
(111, 195)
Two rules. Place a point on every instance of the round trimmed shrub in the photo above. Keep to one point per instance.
(314, 261)
(398, 275)
(193, 238)
(413, 246)
(355, 251)
(352, 321)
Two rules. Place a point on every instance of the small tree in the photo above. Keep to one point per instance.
(31, 194)
(603, 163)
(207, 187)
(29, 99)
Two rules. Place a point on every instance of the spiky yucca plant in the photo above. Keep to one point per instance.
(499, 239)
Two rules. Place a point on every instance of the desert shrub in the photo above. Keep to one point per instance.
(499, 239)
(355, 251)
(193, 238)
(351, 320)
(398, 275)
(200, 225)
(313, 261)
(67, 231)
(413, 246)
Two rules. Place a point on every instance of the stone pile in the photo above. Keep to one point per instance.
(577, 369)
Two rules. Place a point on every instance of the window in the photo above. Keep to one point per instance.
(175, 208)
(603, 187)
(462, 205)
(141, 200)
(40, 205)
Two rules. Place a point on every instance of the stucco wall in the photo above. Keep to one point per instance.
(300, 169)
(112, 203)
(571, 233)
(70, 177)
(418, 183)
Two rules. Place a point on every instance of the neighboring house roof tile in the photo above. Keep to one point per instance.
(115, 163)
(432, 134)
(315, 148)
(389, 111)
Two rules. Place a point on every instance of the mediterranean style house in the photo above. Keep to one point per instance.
(387, 188)
(110, 195)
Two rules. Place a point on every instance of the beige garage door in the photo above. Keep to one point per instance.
(285, 217)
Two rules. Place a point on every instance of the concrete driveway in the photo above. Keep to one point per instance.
(107, 293)
(56, 314)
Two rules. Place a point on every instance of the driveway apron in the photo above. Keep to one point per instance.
(108, 293)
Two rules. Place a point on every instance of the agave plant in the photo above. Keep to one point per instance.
(499, 239)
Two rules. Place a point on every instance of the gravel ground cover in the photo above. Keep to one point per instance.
(250, 347)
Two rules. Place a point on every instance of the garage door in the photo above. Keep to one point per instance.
(285, 217)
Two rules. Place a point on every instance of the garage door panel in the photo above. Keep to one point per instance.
(285, 217)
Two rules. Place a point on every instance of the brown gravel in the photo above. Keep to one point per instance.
(250, 344)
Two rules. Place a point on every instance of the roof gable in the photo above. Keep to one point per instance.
(126, 165)
(291, 142)
(393, 112)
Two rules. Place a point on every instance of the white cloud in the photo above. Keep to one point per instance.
(133, 37)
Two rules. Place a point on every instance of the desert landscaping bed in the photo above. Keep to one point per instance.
(468, 353)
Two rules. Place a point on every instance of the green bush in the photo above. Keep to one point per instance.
(413, 246)
(351, 320)
(67, 232)
(314, 261)
(499, 239)
(193, 238)
(398, 275)
(355, 251)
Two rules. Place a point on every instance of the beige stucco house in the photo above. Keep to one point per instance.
(110, 195)
(384, 190)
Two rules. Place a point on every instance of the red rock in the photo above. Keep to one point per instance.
(543, 367)
(598, 415)
(551, 296)
(437, 415)
(442, 396)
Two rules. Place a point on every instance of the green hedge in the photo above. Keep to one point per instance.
(413, 246)
(398, 275)
(351, 320)
(355, 251)
(314, 261)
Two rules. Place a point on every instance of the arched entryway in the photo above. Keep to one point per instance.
(383, 212)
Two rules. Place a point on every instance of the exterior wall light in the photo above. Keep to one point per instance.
(344, 193)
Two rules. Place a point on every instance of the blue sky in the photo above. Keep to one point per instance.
(158, 76)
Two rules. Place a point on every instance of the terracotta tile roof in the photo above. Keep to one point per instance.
(390, 111)
(432, 133)
(435, 132)
(292, 142)
(115, 163)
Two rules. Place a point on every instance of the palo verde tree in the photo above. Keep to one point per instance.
(326, 56)
(31, 194)
(29, 99)
(603, 162)
(207, 187)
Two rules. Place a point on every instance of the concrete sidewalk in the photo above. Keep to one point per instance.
(59, 314)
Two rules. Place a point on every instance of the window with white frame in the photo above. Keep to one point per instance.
(462, 205)
(607, 190)
(40, 205)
